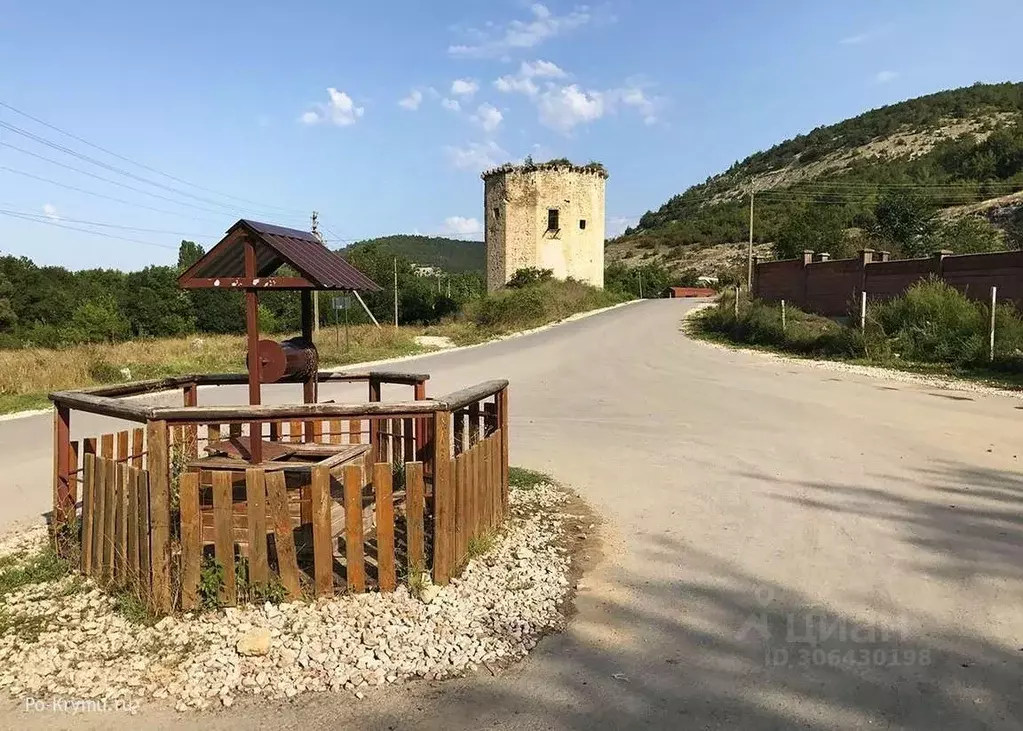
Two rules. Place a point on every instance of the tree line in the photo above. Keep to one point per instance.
(50, 306)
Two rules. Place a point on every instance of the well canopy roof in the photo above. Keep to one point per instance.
(276, 246)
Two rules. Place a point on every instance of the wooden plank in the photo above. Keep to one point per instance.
(414, 508)
(474, 423)
(73, 474)
(323, 549)
(138, 440)
(489, 418)
(336, 425)
(223, 539)
(275, 431)
(502, 423)
(355, 431)
(409, 448)
(443, 499)
(99, 498)
(145, 564)
(131, 487)
(495, 478)
(159, 514)
(191, 540)
(314, 431)
(284, 539)
(461, 506)
(397, 442)
(106, 446)
(384, 489)
(122, 446)
(255, 497)
(295, 431)
(473, 483)
(356, 567)
(493, 487)
(213, 433)
(88, 505)
(234, 430)
(459, 428)
(109, 517)
(89, 445)
(121, 523)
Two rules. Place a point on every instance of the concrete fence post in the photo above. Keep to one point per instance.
(863, 310)
(784, 329)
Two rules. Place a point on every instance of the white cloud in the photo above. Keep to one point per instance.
(562, 108)
(883, 77)
(616, 225)
(636, 98)
(464, 87)
(50, 211)
(523, 83)
(476, 156)
(340, 110)
(518, 34)
(488, 117)
(461, 226)
(867, 36)
(451, 104)
(412, 101)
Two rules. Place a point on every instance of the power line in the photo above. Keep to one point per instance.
(142, 165)
(111, 182)
(87, 231)
(102, 195)
(46, 217)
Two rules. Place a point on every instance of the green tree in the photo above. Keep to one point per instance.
(967, 235)
(8, 317)
(154, 305)
(814, 228)
(96, 320)
(903, 222)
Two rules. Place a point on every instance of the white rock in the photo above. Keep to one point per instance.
(429, 593)
(254, 643)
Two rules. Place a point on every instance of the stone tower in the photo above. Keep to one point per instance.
(548, 216)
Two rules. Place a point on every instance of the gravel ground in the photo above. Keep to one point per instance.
(64, 638)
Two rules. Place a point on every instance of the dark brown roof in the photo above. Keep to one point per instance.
(281, 246)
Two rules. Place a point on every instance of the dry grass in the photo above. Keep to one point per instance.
(26, 376)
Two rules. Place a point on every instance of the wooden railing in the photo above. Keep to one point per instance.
(434, 476)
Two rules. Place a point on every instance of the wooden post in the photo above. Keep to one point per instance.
(354, 556)
(376, 448)
(88, 506)
(994, 306)
(191, 398)
(443, 499)
(383, 488)
(191, 540)
(223, 534)
(422, 427)
(414, 506)
(502, 424)
(63, 501)
(323, 553)
(255, 497)
(284, 539)
(254, 364)
(159, 514)
(309, 389)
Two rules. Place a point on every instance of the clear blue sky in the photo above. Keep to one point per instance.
(235, 97)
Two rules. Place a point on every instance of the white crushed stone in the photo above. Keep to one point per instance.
(504, 602)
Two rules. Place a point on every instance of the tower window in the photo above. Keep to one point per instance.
(582, 224)
(497, 212)
(552, 219)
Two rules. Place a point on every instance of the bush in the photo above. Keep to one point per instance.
(932, 323)
(537, 304)
(529, 276)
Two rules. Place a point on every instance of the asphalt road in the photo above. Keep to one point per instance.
(786, 547)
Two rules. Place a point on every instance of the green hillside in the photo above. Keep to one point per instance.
(893, 178)
(451, 255)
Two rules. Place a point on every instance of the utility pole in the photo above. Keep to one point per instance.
(316, 294)
(395, 293)
(749, 251)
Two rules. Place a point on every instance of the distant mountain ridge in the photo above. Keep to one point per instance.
(452, 255)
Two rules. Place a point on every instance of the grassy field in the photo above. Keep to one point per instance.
(932, 330)
(28, 374)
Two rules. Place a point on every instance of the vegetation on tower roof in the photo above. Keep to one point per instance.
(558, 163)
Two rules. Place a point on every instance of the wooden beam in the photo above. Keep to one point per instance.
(159, 514)
(102, 405)
(443, 500)
(461, 399)
(254, 364)
(297, 412)
(270, 282)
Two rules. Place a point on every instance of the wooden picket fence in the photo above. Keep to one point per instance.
(115, 526)
(254, 519)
